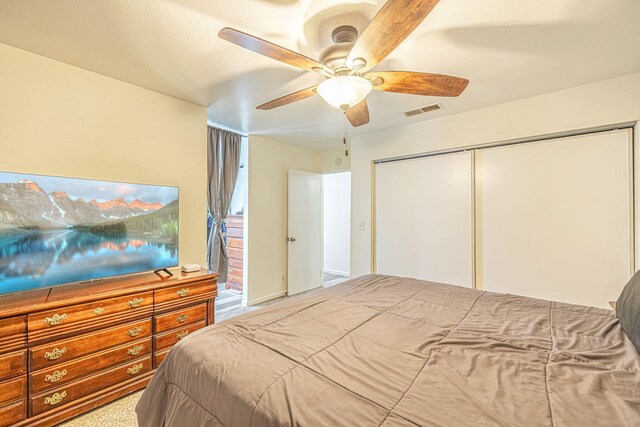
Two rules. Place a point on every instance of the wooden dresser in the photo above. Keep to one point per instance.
(234, 243)
(66, 350)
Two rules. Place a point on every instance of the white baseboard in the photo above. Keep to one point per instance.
(340, 273)
(266, 298)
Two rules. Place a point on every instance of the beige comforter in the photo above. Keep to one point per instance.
(389, 351)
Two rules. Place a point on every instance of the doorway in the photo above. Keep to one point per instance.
(319, 230)
(231, 294)
(337, 227)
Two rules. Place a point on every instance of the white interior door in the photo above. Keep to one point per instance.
(305, 232)
(554, 218)
(424, 218)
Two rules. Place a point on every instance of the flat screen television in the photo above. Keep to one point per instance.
(56, 230)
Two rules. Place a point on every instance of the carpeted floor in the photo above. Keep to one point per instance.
(121, 413)
(330, 277)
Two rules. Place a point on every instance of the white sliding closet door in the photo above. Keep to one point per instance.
(554, 218)
(424, 218)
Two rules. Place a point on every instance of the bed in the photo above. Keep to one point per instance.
(388, 351)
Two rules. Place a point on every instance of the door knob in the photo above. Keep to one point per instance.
(291, 239)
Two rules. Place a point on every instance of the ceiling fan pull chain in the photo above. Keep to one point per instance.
(345, 138)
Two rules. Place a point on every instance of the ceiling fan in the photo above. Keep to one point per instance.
(347, 62)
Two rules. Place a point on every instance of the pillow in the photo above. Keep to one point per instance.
(628, 310)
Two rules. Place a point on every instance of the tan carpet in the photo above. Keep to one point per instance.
(119, 413)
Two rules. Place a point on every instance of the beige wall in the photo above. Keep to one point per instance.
(327, 160)
(603, 103)
(266, 225)
(56, 119)
(266, 228)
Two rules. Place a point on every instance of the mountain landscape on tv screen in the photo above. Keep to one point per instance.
(53, 236)
(25, 204)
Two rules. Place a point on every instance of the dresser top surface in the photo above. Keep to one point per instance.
(57, 296)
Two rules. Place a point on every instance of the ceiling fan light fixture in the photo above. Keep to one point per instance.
(344, 91)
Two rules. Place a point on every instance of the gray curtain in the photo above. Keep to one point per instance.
(223, 160)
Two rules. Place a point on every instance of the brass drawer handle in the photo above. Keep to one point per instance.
(55, 353)
(56, 319)
(56, 376)
(183, 292)
(182, 334)
(134, 369)
(135, 302)
(98, 311)
(135, 331)
(135, 350)
(182, 318)
(55, 398)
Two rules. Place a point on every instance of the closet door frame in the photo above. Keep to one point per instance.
(634, 160)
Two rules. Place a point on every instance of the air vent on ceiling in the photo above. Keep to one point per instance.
(434, 107)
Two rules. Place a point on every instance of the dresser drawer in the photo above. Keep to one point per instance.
(92, 310)
(170, 338)
(159, 357)
(13, 333)
(51, 354)
(13, 389)
(179, 318)
(69, 371)
(75, 390)
(191, 291)
(11, 414)
(13, 364)
(12, 326)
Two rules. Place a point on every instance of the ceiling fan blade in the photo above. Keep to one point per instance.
(417, 83)
(272, 50)
(288, 99)
(358, 115)
(391, 25)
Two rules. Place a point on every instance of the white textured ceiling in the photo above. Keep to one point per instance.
(508, 49)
